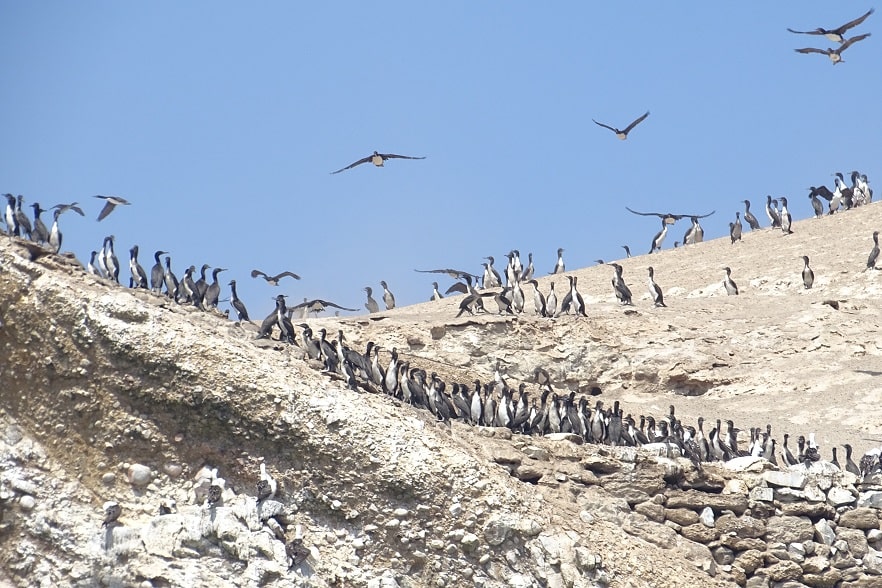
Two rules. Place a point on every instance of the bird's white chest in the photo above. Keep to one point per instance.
(377, 160)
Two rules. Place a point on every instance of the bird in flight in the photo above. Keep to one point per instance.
(273, 280)
(668, 217)
(318, 306)
(835, 55)
(453, 273)
(377, 159)
(624, 133)
(65, 207)
(836, 35)
(110, 202)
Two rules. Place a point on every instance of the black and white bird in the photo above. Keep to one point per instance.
(110, 202)
(729, 284)
(112, 512)
(138, 278)
(836, 35)
(694, 234)
(622, 292)
(559, 266)
(786, 221)
(655, 291)
(772, 212)
(40, 233)
(238, 305)
(835, 55)
(817, 206)
(808, 276)
(388, 297)
(377, 159)
(623, 134)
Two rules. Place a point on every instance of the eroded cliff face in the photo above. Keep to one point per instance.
(111, 394)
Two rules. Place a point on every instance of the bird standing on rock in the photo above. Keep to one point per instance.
(808, 276)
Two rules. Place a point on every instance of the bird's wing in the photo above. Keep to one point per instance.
(811, 50)
(351, 165)
(283, 274)
(108, 208)
(700, 215)
(824, 192)
(258, 273)
(848, 42)
(453, 273)
(337, 306)
(302, 304)
(605, 126)
(635, 123)
(658, 214)
(393, 156)
(853, 23)
(806, 32)
(458, 287)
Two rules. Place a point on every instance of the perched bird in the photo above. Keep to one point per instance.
(655, 291)
(214, 495)
(836, 35)
(237, 304)
(371, 304)
(55, 235)
(786, 220)
(659, 238)
(623, 134)
(273, 280)
(436, 295)
(157, 274)
(297, 551)
(559, 267)
(110, 202)
(112, 510)
(874, 253)
(388, 297)
(735, 228)
(377, 159)
(40, 233)
(816, 204)
(212, 292)
(24, 223)
(835, 55)
(627, 250)
(808, 276)
(266, 486)
(772, 212)
(729, 284)
(10, 216)
(139, 276)
(622, 292)
(749, 218)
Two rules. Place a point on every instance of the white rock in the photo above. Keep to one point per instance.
(707, 517)
(139, 475)
(838, 496)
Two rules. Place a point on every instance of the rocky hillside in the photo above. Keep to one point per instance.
(114, 395)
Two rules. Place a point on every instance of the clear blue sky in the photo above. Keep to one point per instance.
(221, 123)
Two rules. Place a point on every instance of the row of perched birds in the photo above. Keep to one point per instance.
(496, 404)
(512, 299)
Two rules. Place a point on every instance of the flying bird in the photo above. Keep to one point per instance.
(273, 280)
(110, 202)
(65, 207)
(318, 306)
(453, 273)
(623, 134)
(668, 217)
(377, 159)
(835, 55)
(836, 35)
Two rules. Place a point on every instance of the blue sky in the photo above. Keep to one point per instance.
(221, 123)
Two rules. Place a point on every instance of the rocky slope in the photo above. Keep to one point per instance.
(109, 394)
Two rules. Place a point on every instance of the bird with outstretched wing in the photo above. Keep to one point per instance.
(668, 217)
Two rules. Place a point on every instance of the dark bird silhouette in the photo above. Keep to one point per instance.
(835, 55)
(836, 35)
(320, 305)
(668, 217)
(273, 280)
(377, 159)
(111, 513)
(237, 304)
(623, 134)
(874, 252)
(110, 202)
(453, 273)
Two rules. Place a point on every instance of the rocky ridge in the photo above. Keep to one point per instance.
(110, 394)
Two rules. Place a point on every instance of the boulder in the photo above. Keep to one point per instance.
(787, 529)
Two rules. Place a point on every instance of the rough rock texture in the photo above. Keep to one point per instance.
(114, 395)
